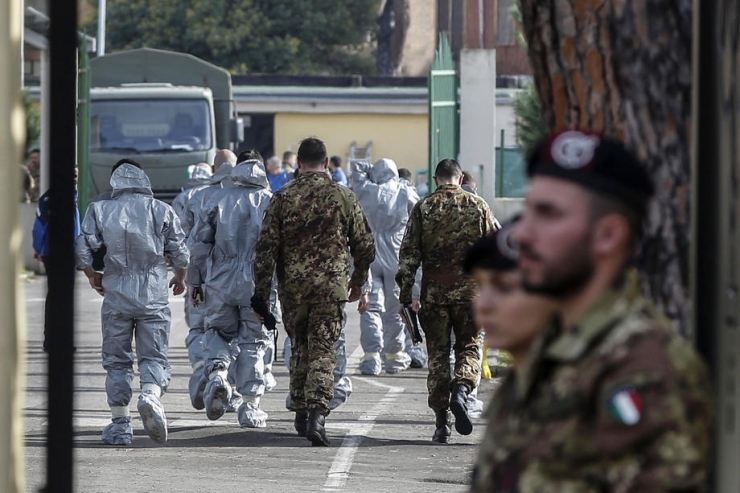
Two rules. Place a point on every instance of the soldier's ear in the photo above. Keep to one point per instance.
(611, 235)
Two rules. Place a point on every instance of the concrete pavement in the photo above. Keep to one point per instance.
(380, 437)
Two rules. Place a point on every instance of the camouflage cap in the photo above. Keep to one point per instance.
(598, 163)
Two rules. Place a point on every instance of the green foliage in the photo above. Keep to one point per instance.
(33, 124)
(263, 36)
(530, 125)
(515, 10)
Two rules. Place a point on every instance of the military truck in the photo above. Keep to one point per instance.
(166, 110)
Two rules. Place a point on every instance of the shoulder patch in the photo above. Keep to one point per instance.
(625, 406)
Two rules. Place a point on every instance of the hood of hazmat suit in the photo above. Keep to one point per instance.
(139, 232)
(387, 201)
(220, 179)
(225, 235)
(200, 179)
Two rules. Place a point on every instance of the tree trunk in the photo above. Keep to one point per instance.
(392, 26)
(623, 67)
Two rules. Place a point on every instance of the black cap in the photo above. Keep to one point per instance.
(598, 163)
(493, 252)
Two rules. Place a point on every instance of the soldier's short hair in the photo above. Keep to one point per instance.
(448, 169)
(312, 151)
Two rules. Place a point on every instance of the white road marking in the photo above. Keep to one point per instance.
(338, 474)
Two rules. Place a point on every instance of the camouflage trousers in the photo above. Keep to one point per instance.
(313, 330)
(438, 322)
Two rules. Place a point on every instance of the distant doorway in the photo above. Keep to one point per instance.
(259, 133)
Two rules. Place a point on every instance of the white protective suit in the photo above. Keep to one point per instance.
(200, 179)
(194, 339)
(139, 232)
(387, 202)
(224, 240)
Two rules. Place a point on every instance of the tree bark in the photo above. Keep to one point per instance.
(392, 26)
(623, 67)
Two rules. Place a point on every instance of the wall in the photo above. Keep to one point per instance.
(421, 39)
(402, 138)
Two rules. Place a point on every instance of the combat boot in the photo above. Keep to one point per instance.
(301, 422)
(315, 431)
(459, 407)
(443, 424)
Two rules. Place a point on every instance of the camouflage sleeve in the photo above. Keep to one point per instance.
(267, 249)
(490, 224)
(654, 419)
(361, 244)
(409, 258)
(200, 241)
(174, 241)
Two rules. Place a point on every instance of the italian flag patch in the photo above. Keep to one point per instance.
(626, 407)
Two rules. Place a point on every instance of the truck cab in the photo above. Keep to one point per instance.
(165, 128)
(166, 110)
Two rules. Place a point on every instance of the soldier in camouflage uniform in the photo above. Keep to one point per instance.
(311, 229)
(612, 399)
(441, 228)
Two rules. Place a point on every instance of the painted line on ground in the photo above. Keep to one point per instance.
(338, 473)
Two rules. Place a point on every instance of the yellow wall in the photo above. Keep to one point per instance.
(402, 138)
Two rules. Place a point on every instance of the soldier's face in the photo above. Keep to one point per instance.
(555, 237)
(511, 317)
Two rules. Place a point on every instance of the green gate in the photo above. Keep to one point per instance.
(444, 117)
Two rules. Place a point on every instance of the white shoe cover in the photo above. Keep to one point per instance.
(235, 402)
(475, 407)
(153, 417)
(270, 382)
(342, 391)
(119, 432)
(216, 396)
(251, 416)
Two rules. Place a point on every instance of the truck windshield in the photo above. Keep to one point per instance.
(138, 126)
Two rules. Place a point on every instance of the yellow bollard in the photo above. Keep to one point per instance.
(485, 369)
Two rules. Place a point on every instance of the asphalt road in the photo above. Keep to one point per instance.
(381, 438)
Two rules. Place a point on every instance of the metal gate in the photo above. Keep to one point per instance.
(716, 255)
(444, 115)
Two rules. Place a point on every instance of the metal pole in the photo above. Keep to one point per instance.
(500, 168)
(101, 27)
(60, 264)
(12, 312)
(83, 129)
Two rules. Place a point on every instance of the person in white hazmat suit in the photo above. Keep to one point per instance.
(226, 234)
(387, 202)
(140, 234)
(199, 179)
(223, 165)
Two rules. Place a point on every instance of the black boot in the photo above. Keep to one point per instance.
(315, 431)
(459, 407)
(443, 424)
(301, 423)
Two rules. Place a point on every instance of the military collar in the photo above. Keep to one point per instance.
(321, 174)
(597, 320)
(448, 186)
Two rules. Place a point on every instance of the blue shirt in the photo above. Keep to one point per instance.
(277, 181)
(338, 176)
(41, 225)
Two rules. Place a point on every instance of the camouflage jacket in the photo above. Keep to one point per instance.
(440, 230)
(620, 403)
(311, 229)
